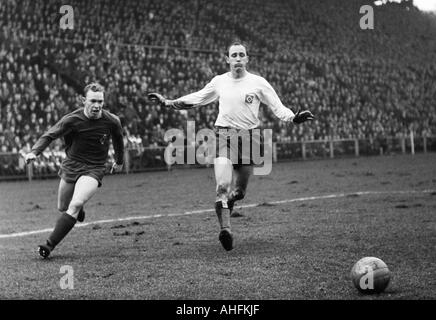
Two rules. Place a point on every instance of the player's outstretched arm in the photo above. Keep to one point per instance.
(61, 128)
(162, 101)
(303, 116)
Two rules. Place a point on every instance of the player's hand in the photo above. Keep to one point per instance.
(116, 167)
(30, 157)
(174, 104)
(156, 97)
(303, 116)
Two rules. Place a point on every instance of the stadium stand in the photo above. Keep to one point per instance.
(358, 83)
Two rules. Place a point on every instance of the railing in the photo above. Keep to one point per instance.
(353, 147)
(13, 167)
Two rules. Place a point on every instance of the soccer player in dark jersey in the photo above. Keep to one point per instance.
(87, 132)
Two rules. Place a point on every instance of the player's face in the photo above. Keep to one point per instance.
(94, 101)
(237, 58)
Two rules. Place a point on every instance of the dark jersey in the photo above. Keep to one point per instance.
(86, 140)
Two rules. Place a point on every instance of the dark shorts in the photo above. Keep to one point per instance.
(72, 170)
(239, 146)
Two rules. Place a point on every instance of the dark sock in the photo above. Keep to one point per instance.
(226, 218)
(64, 224)
(234, 196)
(81, 215)
(223, 215)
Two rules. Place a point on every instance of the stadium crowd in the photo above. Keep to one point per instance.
(358, 83)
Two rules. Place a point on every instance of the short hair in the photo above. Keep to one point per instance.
(94, 86)
(236, 43)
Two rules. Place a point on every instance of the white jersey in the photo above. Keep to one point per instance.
(239, 100)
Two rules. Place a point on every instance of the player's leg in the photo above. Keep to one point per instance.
(223, 174)
(64, 200)
(69, 171)
(241, 175)
(65, 194)
(84, 189)
(81, 215)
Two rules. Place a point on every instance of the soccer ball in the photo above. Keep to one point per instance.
(370, 275)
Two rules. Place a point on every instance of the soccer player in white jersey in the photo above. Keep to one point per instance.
(239, 93)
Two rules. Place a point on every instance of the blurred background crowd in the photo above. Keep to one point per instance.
(358, 83)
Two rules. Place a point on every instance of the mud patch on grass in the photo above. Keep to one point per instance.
(136, 223)
(226, 274)
(352, 195)
(35, 207)
(107, 275)
(125, 233)
(404, 174)
(236, 214)
(119, 226)
(420, 183)
(265, 204)
(29, 279)
(406, 206)
(339, 175)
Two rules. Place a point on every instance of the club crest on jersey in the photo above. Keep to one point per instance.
(103, 139)
(249, 98)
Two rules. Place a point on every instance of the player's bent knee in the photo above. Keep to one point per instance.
(62, 208)
(239, 194)
(222, 188)
(74, 207)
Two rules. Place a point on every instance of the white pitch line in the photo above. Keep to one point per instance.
(329, 196)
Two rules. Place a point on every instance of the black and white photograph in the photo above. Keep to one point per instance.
(217, 154)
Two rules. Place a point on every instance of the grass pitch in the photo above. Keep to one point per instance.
(303, 249)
